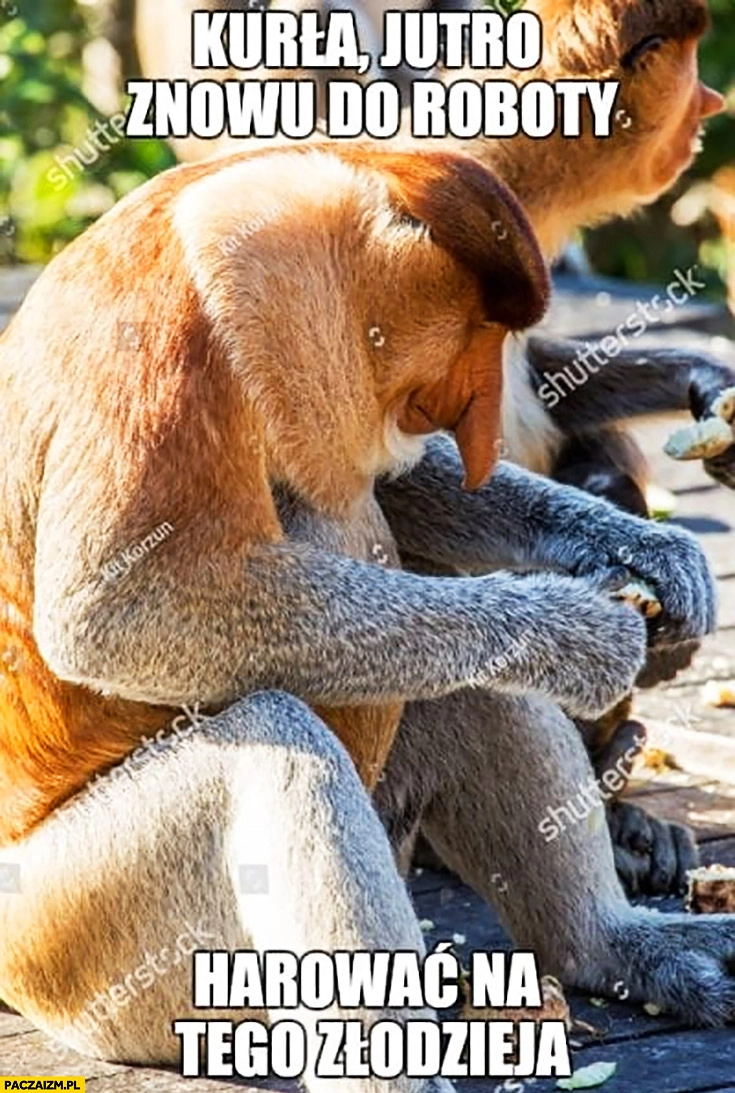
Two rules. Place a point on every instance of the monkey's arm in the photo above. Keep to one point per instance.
(330, 630)
(583, 388)
(519, 519)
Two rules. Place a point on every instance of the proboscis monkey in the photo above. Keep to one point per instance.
(558, 397)
(562, 399)
(650, 47)
(256, 445)
(245, 399)
(236, 353)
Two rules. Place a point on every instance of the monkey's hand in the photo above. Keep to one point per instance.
(521, 520)
(715, 402)
(571, 642)
(712, 439)
(671, 562)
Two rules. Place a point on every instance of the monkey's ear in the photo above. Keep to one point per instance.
(475, 217)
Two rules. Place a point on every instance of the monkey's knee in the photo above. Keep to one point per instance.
(277, 718)
(620, 489)
(608, 464)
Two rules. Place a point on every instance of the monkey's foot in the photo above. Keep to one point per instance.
(684, 964)
(652, 856)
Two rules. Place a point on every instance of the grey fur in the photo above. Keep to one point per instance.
(332, 630)
(161, 850)
(481, 770)
(522, 520)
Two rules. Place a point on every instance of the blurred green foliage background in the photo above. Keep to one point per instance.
(651, 245)
(46, 117)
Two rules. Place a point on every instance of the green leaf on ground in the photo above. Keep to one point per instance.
(589, 1077)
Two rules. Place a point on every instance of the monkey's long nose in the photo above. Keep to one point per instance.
(477, 430)
(712, 102)
(477, 434)
(466, 402)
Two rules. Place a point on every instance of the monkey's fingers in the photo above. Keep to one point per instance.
(641, 596)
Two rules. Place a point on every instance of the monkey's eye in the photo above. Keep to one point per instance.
(648, 45)
(403, 216)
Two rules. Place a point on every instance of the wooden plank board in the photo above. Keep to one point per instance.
(690, 1061)
(34, 1053)
(162, 1081)
(718, 851)
(11, 1024)
(703, 753)
(709, 808)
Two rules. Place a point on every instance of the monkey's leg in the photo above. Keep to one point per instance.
(508, 788)
(652, 856)
(253, 832)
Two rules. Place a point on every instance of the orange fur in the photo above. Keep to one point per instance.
(565, 184)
